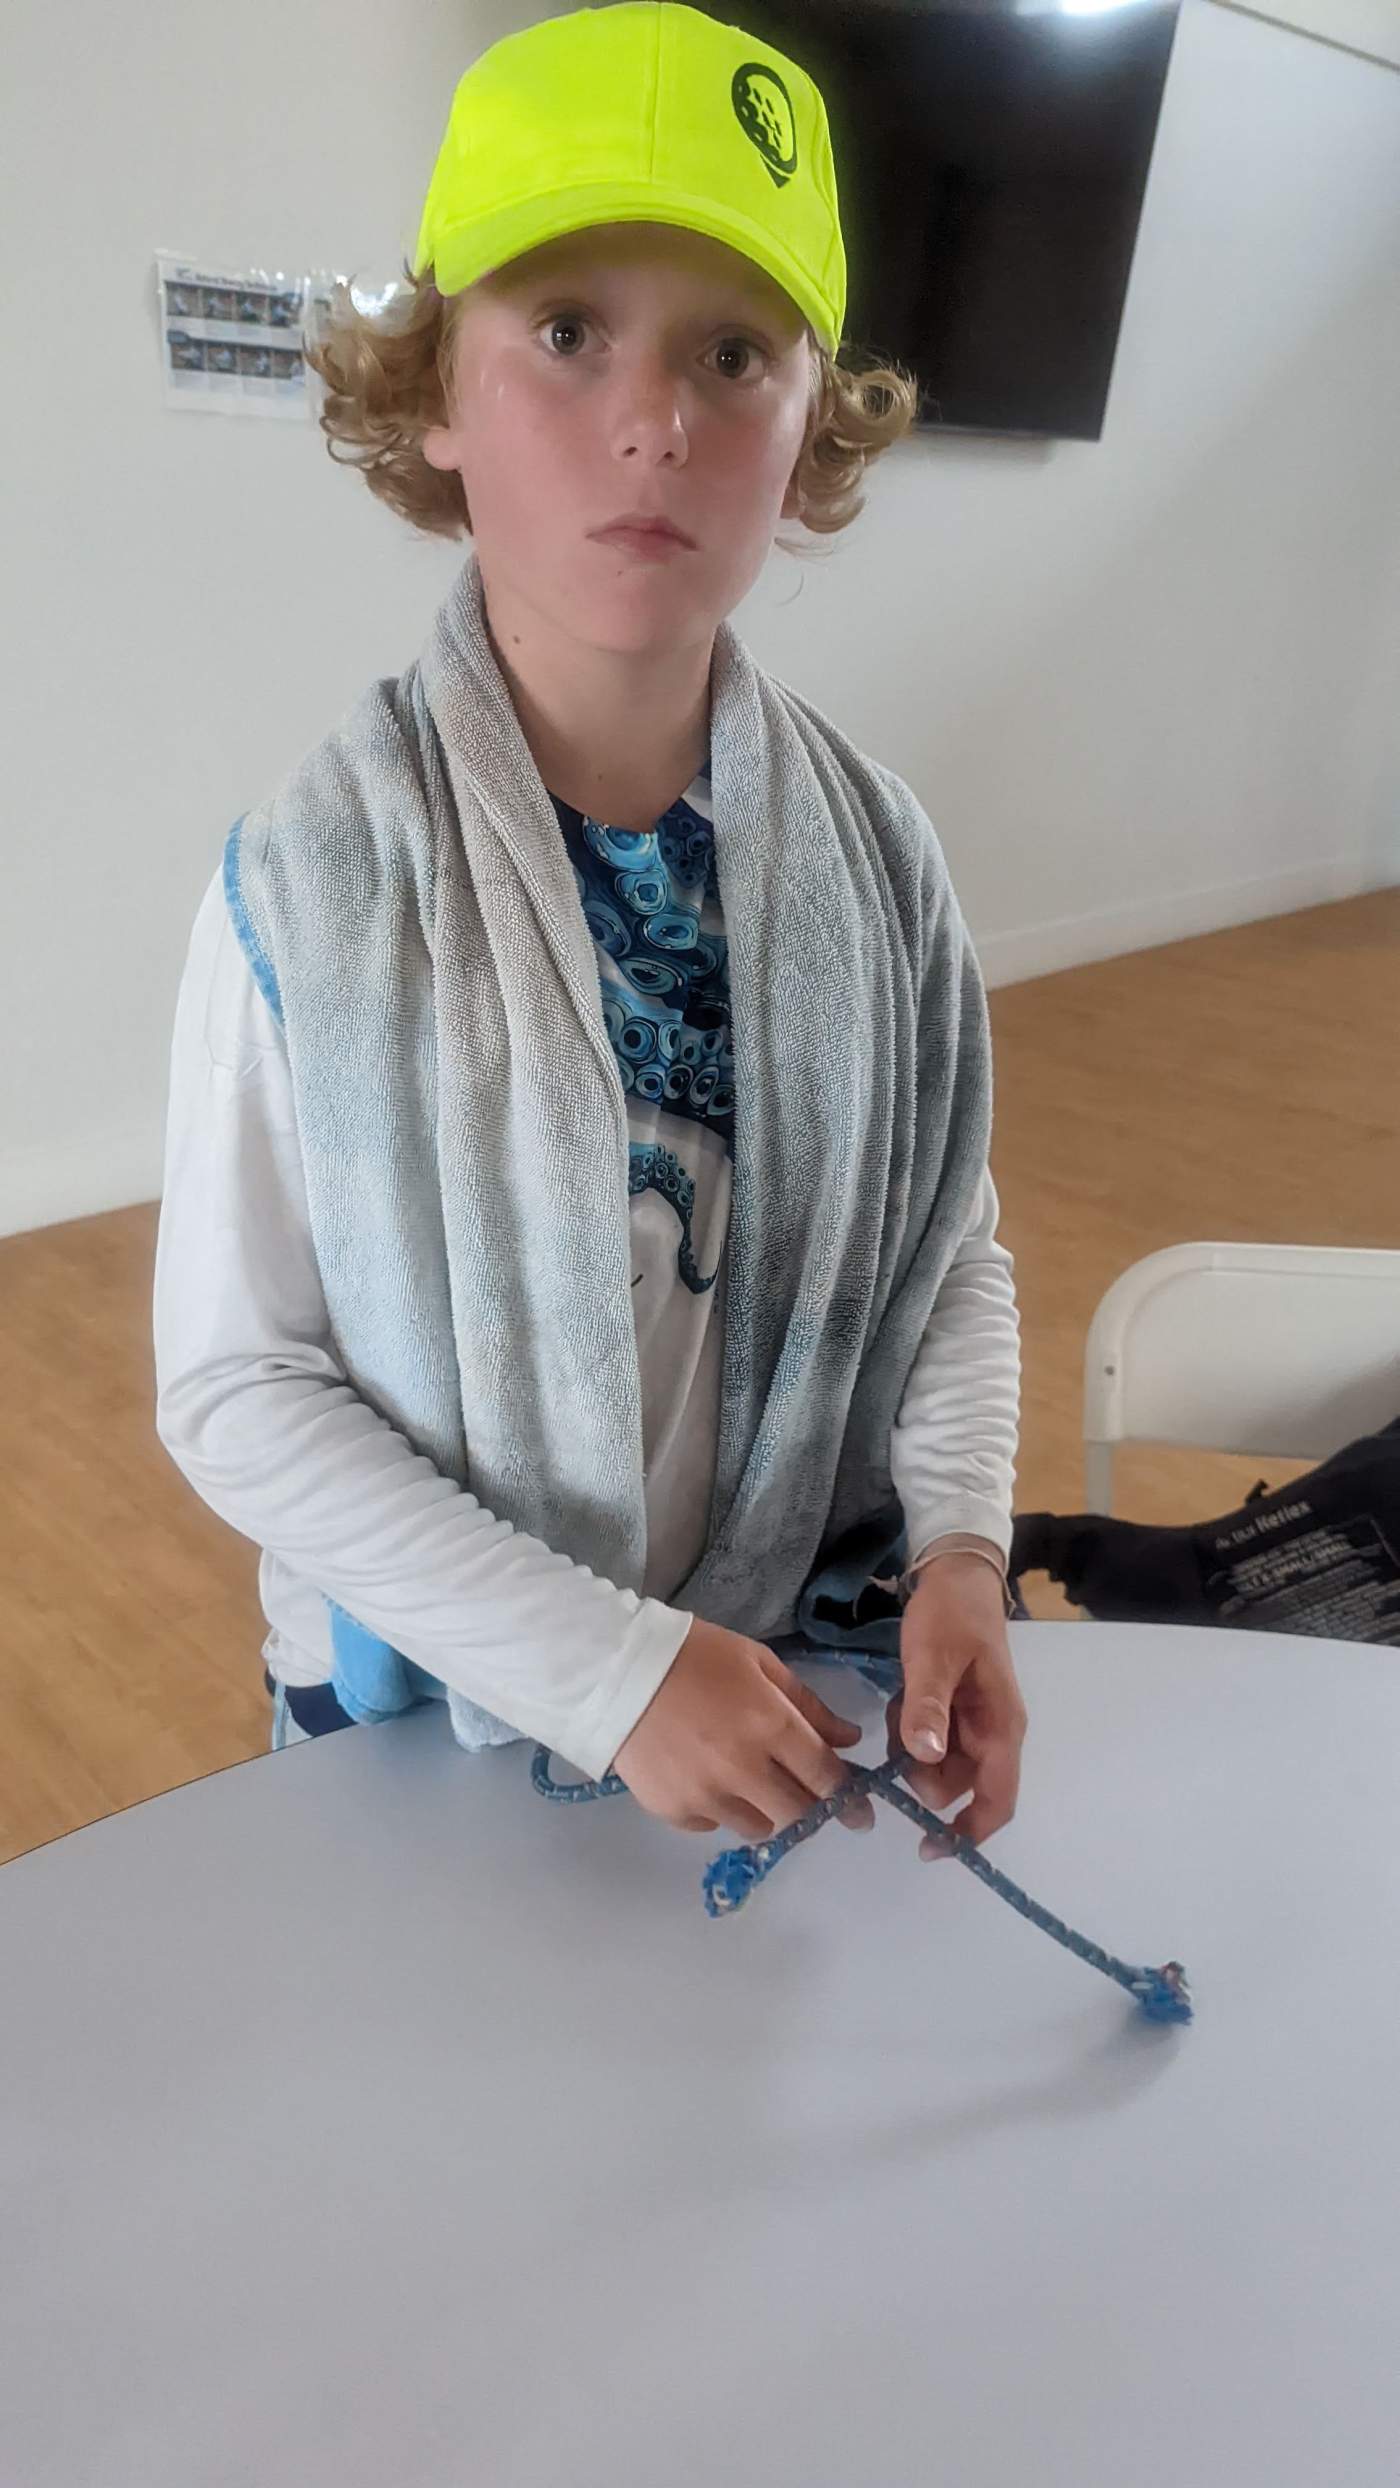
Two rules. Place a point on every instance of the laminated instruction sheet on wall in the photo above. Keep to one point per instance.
(233, 340)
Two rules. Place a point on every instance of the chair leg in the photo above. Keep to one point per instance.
(1098, 1478)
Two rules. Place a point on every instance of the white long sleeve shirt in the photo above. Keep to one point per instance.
(256, 1409)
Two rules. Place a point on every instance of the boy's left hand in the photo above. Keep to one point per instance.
(960, 1696)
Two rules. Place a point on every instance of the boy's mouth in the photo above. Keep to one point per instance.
(641, 526)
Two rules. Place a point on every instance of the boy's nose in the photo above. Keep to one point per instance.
(648, 417)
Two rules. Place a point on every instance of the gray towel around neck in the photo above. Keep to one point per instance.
(408, 905)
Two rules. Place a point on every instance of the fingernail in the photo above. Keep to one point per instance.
(927, 1743)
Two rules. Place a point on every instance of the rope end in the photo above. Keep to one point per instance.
(1164, 1994)
(729, 1879)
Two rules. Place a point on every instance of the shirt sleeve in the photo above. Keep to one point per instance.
(953, 1444)
(255, 1407)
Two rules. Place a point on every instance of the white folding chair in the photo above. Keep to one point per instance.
(1288, 1350)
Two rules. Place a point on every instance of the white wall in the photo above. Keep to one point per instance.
(1145, 687)
(1148, 686)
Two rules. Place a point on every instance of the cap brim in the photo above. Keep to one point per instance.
(458, 259)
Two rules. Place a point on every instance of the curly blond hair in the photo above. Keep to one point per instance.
(388, 376)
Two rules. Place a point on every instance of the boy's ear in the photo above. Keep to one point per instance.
(439, 448)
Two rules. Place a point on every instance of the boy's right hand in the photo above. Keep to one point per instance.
(731, 1737)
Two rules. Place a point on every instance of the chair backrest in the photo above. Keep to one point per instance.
(1289, 1350)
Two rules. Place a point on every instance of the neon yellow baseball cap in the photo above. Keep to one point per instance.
(646, 112)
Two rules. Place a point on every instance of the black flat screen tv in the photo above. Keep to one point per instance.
(991, 159)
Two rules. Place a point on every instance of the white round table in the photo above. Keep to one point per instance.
(367, 2123)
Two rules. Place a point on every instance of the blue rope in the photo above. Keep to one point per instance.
(1162, 1994)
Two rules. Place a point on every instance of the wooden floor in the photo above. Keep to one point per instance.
(1236, 1087)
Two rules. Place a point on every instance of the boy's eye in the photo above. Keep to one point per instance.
(565, 331)
(739, 345)
(565, 321)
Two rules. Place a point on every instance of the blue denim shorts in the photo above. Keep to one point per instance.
(302, 1711)
(284, 1728)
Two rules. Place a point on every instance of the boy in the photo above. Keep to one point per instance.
(578, 1236)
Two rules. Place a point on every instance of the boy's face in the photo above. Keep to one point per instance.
(628, 367)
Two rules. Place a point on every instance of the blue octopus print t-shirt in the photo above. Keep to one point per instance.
(651, 902)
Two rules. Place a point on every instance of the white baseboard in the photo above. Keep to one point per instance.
(1176, 916)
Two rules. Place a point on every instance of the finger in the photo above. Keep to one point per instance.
(997, 1787)
(778, 1795)
(751, 1822)
(942, 1786)
(859, 1815)
(693, 1822)
(810, 1760)
(932, 1671)
(936, 1784)
(828, 1723)
(931, 1848)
